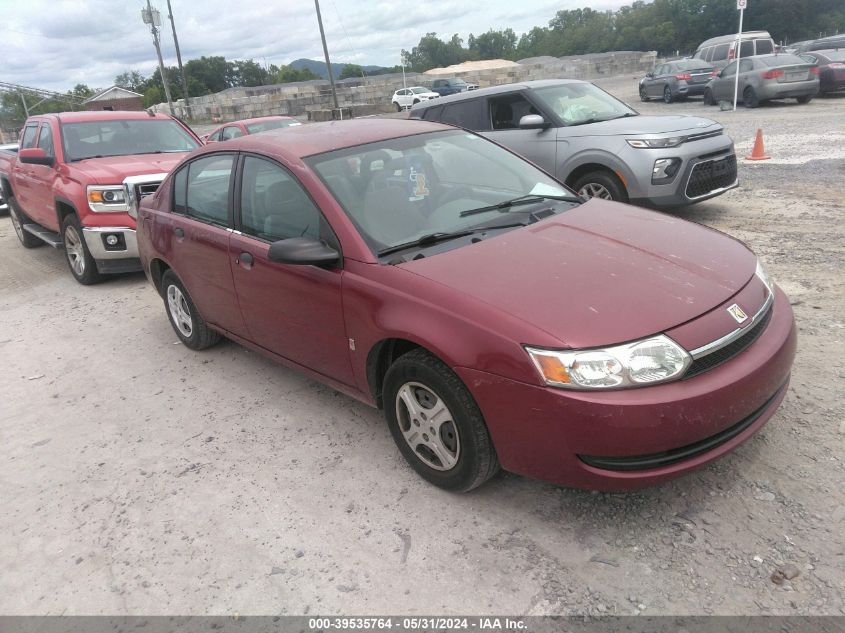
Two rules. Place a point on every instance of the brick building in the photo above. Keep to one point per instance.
(115, 98)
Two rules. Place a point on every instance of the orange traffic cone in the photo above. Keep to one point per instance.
(758, 153)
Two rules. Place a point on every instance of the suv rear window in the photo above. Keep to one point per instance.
(764, 47)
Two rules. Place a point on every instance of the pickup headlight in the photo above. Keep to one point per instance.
(656, 143)
(645, 362)
(108, 198)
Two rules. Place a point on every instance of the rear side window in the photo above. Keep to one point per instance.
(466, 114)
(746, 48)
(208, 188)
(433, 114)
(764, 47)
(28, 139)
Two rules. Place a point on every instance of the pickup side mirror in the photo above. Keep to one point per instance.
(533, 122)
(303, 251)
(35, 156)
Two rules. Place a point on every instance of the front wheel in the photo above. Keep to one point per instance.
(81, 263)
(805, 99)
(186, 320)
(749, 98)
(436, 423)
(667, 95)
(601, 184)
(27, 239)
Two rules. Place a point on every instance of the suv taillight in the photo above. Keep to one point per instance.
(772, 74)
(683, 77)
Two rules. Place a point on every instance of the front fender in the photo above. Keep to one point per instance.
(602, 158)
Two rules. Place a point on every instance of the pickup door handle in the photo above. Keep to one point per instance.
(246, 259)
(179, 232)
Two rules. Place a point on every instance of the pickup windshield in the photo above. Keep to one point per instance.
(98, 139)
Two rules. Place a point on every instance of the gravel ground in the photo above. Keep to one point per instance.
(139, 477)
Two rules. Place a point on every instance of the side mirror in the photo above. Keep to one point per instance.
(532, 122)
(649, 75)
(35, 156)
(303, 251)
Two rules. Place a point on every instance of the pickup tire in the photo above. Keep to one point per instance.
(183, 315)
(82, 265)
(28, 240)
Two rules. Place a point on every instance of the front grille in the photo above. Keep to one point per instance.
(666, 458)
(711, 175)
(724, 354)
(703, 135)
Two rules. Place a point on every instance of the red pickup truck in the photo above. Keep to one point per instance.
(77, 178)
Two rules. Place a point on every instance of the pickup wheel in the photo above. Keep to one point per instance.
(79, 259)
(28, 240)
(186, 320)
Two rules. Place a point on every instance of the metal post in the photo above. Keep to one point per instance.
(326, 52)
(25, 109)
(738, 53)
(179, 61)
(160, 60)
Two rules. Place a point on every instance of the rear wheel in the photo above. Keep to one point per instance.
(749, 98)
(708, 98)
(601, 184)
(28, 240)
(667, 95)
(186, 320)
(805, 99)
(79, 259)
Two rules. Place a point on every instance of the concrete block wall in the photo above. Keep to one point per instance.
(300, 98)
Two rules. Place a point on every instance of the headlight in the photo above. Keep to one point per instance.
(764, 277)
(652, 360)
(108, 198)
(655, 143)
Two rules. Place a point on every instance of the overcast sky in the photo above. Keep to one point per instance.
(55, 44)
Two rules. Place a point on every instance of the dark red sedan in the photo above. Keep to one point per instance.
(496, 317)
(236, 129)
(831, 65)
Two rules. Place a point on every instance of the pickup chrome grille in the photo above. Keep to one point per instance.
(139, 187)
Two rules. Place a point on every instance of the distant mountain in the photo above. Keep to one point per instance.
(320, 69)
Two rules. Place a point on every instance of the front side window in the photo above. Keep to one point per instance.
(720, 52)
(125, 138)
(582, 103)
(28, 139)
(506, 112)
(273, 204)
(45, 139)
(207, 187)
(231, 132)
(398, 190)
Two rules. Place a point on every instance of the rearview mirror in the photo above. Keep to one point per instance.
(532, 122)
(303, 251)
(35, 156)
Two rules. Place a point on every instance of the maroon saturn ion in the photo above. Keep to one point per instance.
(496, 317)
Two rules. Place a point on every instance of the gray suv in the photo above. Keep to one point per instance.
(597, 145)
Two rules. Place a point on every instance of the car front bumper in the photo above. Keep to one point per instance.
(657, 433)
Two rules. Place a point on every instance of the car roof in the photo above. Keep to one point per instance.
(105, 115)
(258, 119)
(746, 35)
(300, 141)
(495, 90)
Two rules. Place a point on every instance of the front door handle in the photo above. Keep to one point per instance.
(179, 232)
(246, 259)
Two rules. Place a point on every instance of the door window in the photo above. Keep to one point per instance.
(207, 187)
(273, 204)
(729, 70)
(45, 140)
(466, 114)
(28, 139)
(746, 48)
(764, 47)
(720, 52)
(231, 132)
(505, 112)
(745, 65)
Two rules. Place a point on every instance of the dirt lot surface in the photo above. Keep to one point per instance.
(140, 477)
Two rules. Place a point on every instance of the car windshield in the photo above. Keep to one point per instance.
(272, 124)
(580, 103)
(97, 139)
(400, 190)
(419, 90)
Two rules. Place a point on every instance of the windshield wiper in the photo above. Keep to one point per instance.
(529, 198)
(436, 238)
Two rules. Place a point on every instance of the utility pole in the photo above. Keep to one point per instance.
(326, 52)
(179, 61)
(153, 18)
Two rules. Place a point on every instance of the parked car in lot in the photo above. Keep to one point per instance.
(248, 126)
(720, 51)
(596, 144)
(832, 42)
(451, 86)
(406, 97)
(831, 69)
(7, 151)
(495, 317)
(77, 175)
(765, 78)
(676, 80)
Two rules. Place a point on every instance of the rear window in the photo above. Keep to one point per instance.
(782, 60)
(720, 52)
(764, 47)
(688, 64)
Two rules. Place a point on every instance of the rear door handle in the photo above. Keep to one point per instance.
(179, 232)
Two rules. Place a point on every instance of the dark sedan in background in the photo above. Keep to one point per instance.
(676, 80)
(763, 78)
(831, 65)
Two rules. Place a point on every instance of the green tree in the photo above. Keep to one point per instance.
(247, 72)
(432, 52)
(131, 80)
(351, 71)
(493, 45)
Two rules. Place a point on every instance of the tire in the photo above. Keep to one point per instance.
(601, 184)
(707, 99)
(749, 98)
(183, 315)
(28, 240)
(416, 101)
(667, 95)
(398, 107)
(643, 94)
(805, 99)
(79, 260)
(464, 457)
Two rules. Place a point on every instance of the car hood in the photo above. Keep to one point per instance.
(113, 169)
(599, 274)
(638, 125)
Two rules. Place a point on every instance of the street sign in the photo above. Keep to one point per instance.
(741, 5)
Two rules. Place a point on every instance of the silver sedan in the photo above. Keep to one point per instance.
(763, 78)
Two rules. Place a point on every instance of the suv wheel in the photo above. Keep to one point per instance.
(601, 184)
(79, 259)
(27, 239)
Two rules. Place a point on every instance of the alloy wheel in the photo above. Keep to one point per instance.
(179, 311)
(428, 426)
(595, 190)
(74, 250)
